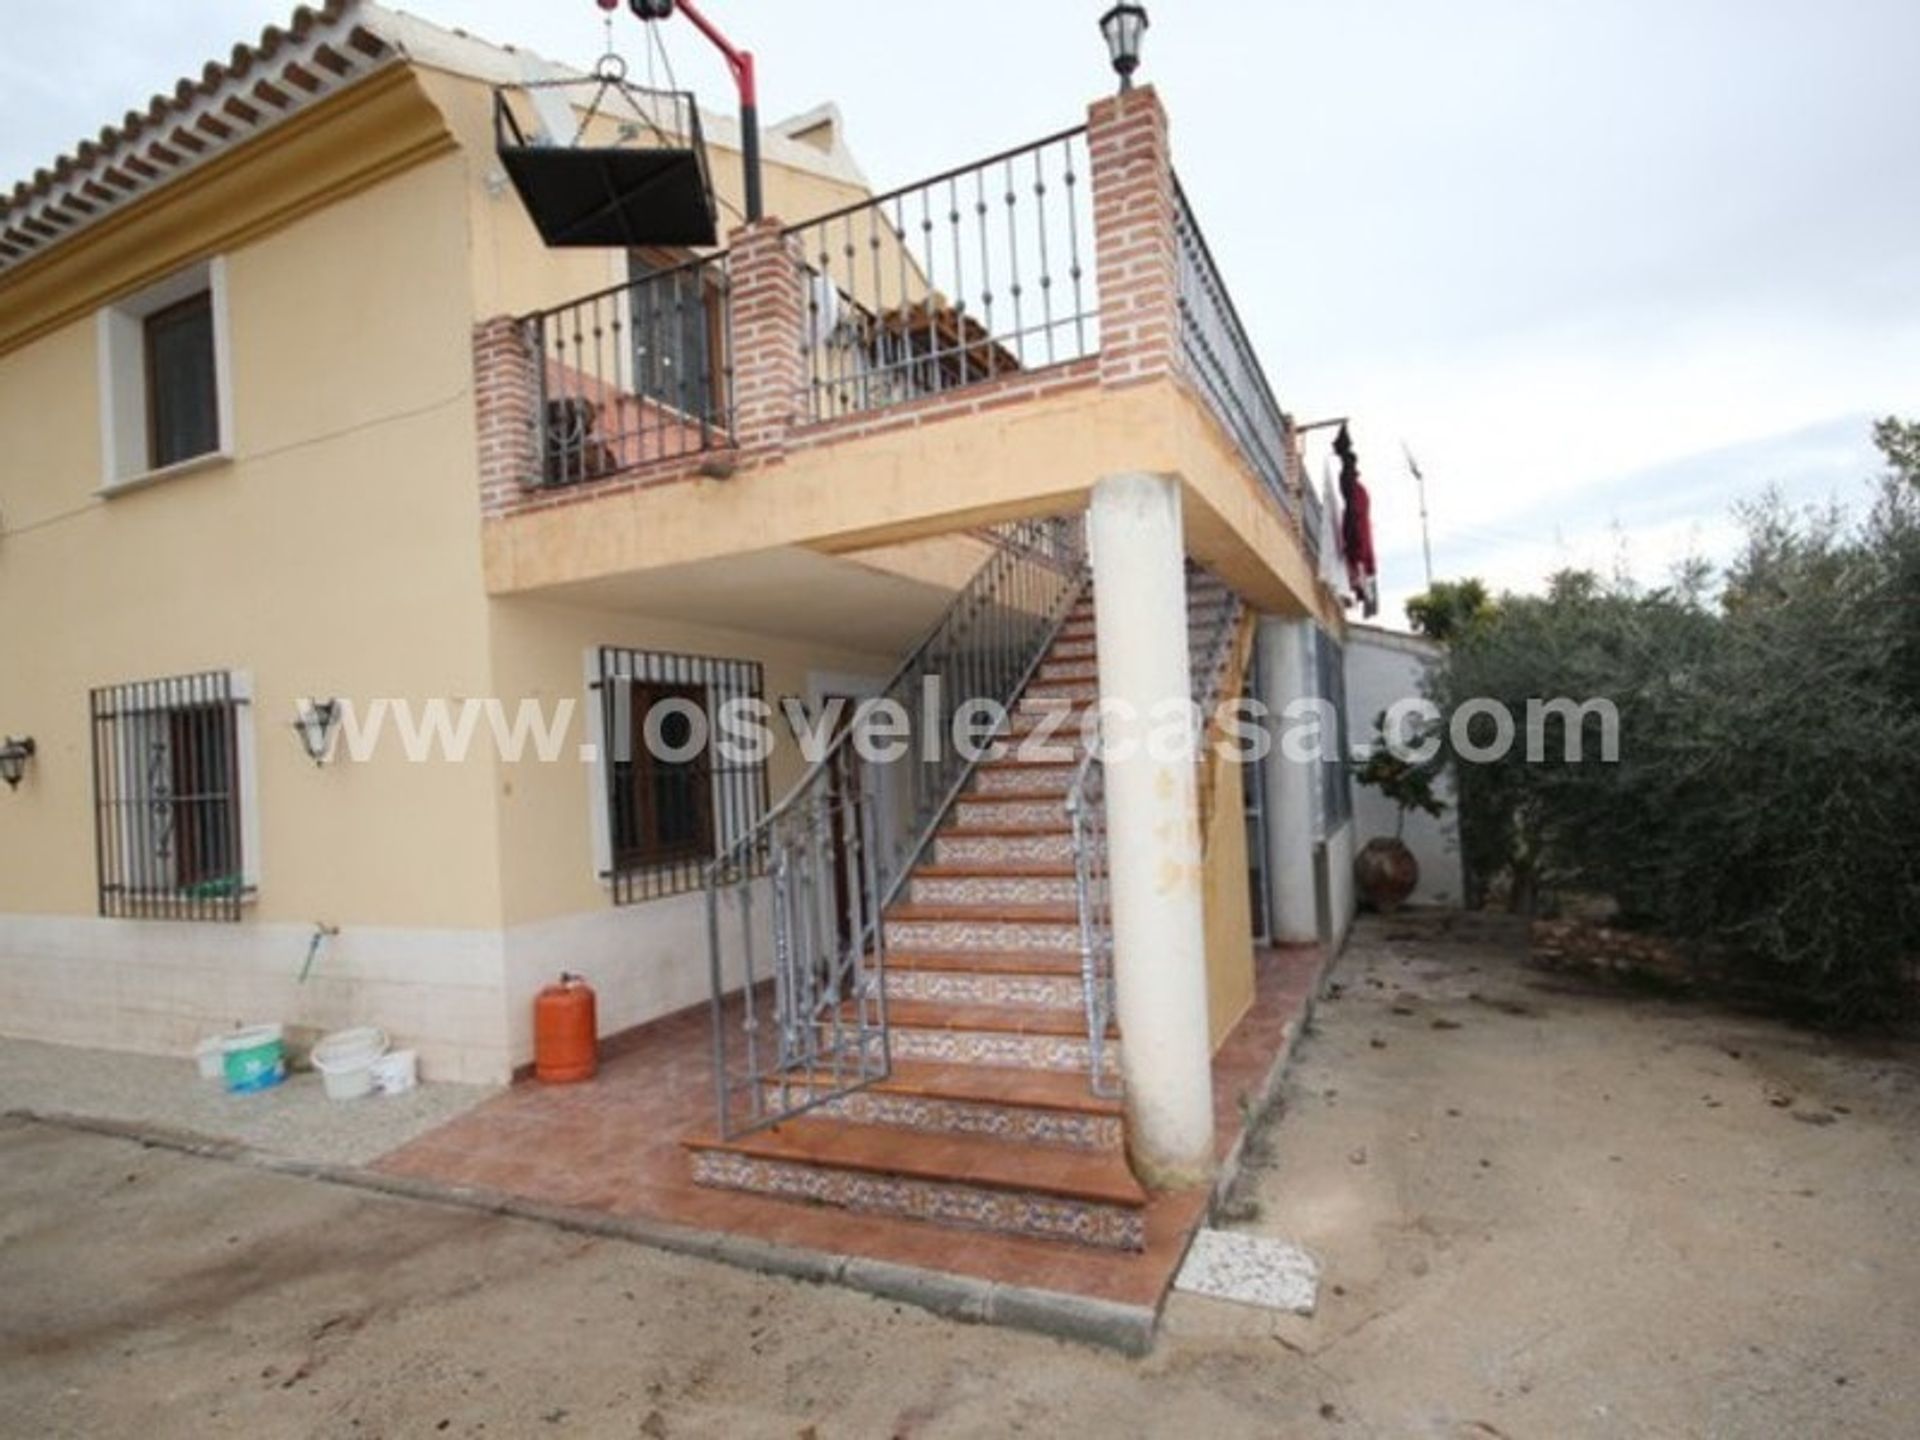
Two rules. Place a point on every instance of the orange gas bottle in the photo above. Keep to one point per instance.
(565, 1030)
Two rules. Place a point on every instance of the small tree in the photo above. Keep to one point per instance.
(1408, 784)
(1446, 609)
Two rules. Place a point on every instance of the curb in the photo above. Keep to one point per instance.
(1128, 1329)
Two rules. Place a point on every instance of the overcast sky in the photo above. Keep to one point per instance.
(1606, 266)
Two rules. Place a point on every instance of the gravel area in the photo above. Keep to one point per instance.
(294, 1119)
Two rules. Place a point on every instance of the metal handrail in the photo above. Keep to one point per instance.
(1223, 361)
(838, 848)
(634, 373)
(818, 768)
(967, 276)
(1010, 153)
(1086, 805)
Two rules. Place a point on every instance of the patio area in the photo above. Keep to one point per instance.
(613, 1147)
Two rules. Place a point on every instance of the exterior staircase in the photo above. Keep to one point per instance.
(988, 1117)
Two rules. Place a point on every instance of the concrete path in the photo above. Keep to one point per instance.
(294, 1119)
(1539, 1211)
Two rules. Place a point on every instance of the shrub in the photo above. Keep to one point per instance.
(1763, 808)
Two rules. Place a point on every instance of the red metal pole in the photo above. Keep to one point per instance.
(740, 62)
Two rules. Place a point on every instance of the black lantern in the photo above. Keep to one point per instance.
(14, 755)
(1123, 26)
(315, 725)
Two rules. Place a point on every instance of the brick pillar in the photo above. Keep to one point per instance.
(1134, 244)
(506, 391)
(769, 308)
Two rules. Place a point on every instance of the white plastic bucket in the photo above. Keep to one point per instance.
(396, 1073)
(345, 1060)
(211, 1056)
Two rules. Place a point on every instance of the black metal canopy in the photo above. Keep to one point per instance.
(652, 188)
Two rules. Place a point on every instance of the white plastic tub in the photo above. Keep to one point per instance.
(211, 1056)
(396, 1072)
(345, 1060)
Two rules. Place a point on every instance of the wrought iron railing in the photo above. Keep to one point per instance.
(1222, 360)
(635, 373)
(796, 943)
(1313, 519)
(1093, 899)
(981, 272)
(1211, 648)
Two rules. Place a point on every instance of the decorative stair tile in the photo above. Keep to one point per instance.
(1006, 779)
(958, 848)
(969, 987)
(987, 815)
(1084, 691)
(943, 1115)
(986, 933)
(945, 1202)
(1011, 1049)
(993, 890)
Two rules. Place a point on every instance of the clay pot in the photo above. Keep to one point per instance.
(1386, 873)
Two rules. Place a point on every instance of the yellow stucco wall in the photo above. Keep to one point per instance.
(1226, 893)
(334, 554)
(539, 650)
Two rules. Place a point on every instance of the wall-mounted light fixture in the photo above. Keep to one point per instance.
(14, 755)
(315, 726)
(1123, 26)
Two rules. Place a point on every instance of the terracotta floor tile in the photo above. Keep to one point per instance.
(613, 1144)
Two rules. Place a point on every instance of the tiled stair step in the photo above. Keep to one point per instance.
(1053, 929)
(1030, 1107)
(1073, 667)
(935, 886)
(1029, 707)
(1070, 689)
(972, 811)
(1016, 776)
(962, 1180)
(1012, 848)
(1024, 989)
(1005, 1036)
(1011, 962)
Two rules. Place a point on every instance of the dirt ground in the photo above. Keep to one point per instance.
(1542, 1210)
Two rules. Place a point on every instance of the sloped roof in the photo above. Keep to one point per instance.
(320, 51)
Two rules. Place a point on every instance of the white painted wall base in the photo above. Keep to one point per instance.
(1341, 900)
(158, 986)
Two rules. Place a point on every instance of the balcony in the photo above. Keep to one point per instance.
(1054, 279)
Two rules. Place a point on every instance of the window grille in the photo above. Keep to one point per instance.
(1335, 777)
(675, 794)
(169, 830)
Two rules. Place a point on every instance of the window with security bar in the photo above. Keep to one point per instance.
(673, 796)
(1337, 783)
(172, 763)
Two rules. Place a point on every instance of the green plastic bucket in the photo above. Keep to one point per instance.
(253, 1059)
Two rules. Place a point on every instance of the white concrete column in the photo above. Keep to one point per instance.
(1286, 674)
(1153, 827)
